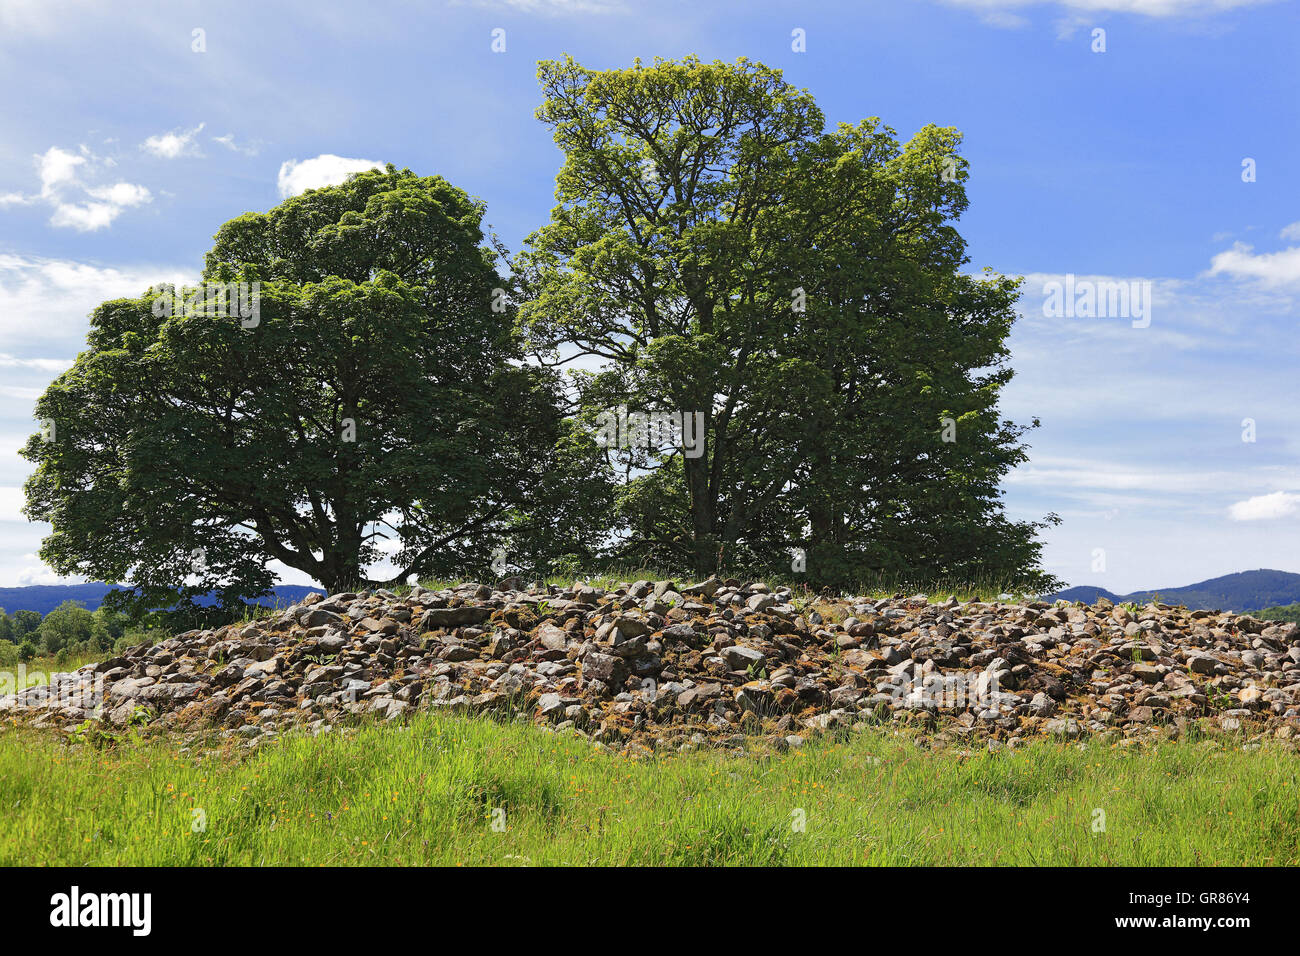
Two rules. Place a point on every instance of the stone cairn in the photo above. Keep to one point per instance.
(653, 666)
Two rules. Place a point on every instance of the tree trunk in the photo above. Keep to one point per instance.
(704, 544)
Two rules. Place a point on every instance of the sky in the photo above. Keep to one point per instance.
(1153, 143)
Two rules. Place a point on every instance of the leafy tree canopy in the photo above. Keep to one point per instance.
(374, 405)
(724, 252)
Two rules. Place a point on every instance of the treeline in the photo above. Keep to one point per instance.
(1282, 612)
(69, 630)
(747, 342)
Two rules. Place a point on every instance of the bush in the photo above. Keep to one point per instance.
(135, 637)
(26, 651)
(51, 642)
(8, 654)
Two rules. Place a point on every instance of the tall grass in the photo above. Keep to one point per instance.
(450, 790)
(937, 589)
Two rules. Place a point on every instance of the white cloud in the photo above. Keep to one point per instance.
(120, 194)
(38, 16)
(1061, 473)
(1004, 19)
(228, 141)
(44, 309)
(41, 364)
(325, 170)
(57, 167)
(179, 142)
(20, 393)
(59, 171)
(44, 304)
(1271, 268)
(1290, 232)
(1280, 504)
(84, 217)
(11, 503)
(11, 443)
(39, 574)
(390, 545)
(558, 7)
(1135, 449)
(996, 12)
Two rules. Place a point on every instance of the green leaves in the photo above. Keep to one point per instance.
(726, 253)
(374, 401)
(715, 246)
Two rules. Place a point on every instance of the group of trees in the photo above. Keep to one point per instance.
(716, 251)
(67, 628)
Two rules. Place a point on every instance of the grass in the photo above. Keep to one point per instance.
(873, 588)
(458, 790)
(38, 669)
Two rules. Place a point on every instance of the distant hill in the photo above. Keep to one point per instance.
(1243, 591)
(46, 597)
(1085, 593)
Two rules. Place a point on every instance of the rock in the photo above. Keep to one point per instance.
(1149, 673)
(1062, 727)
(318, 617)
(511, 682)
(656, 666)
(167, 694)
(632, 626)
(705, 589)
(464, 616)
(553, 638)
(755, 696)
(741, 658)
(331, 643)
(680, 632)
(1141, 715)
(263, 668)
(129, 687)
(605, 668)
(388, 708)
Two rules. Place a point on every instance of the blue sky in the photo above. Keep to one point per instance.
(122, 150)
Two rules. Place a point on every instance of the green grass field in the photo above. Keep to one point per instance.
(448, 790)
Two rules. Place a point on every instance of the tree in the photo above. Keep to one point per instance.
(68, 624)
(6, 626)
(908, 449)
(724, 254)
(25, 623)
(372, 403)
(109, 625)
